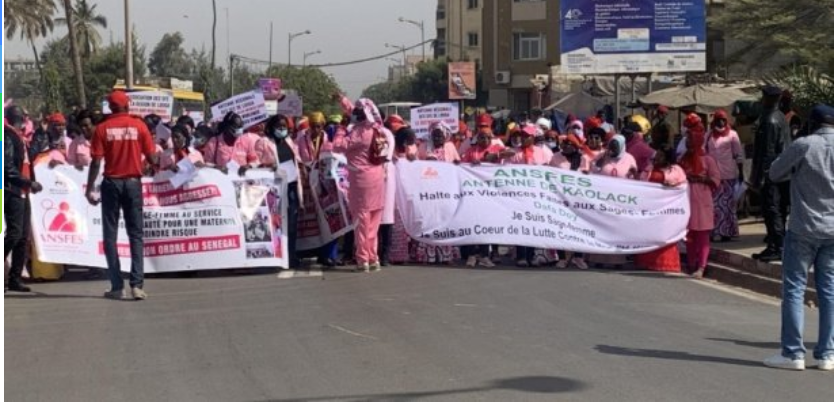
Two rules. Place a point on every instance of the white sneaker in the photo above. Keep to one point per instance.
(363, 268)
(561, 264)
(375, 267)
(827, 364)
(471, 262)
(781, 362)
(579, 263)
(486, 262)
(523, 263)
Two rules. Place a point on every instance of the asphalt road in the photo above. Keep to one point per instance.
(413, 334)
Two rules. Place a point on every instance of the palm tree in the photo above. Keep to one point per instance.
(30, 19)
(86, 23)
(74, 50)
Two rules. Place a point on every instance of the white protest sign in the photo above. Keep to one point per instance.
(197, 226)
(290, 104)
(249, 105)
(422, 117)
(146, 103)
(537, 206)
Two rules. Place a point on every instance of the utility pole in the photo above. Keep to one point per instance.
(271, 46)
(232, 88)
(129, 51)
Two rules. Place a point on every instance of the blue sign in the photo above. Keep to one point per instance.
(632, 36)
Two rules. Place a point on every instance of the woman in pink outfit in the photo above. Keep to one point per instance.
(724, 146)
(614, 162)
(524, 152)
(704, 178)
(573, 155)
(666, 172)
(78, 154)
(365, 146)
(442, 150)
(314, 141)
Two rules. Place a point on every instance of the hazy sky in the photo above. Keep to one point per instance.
(343, 30)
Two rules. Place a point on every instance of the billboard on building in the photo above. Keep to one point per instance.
(632, 36)
(462, 81)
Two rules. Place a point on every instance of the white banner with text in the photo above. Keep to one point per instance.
(537, 206)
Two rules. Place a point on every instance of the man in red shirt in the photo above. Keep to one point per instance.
(121, 140)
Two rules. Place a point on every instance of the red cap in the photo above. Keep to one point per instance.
(484, 120)
(663, 109)
(118, 99)
(395, 122)
(56, 118)
(463, 127)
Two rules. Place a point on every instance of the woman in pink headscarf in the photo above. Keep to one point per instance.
(366, 153)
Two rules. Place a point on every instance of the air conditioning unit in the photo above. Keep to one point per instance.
(503, 77)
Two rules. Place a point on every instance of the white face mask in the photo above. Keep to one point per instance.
(551, 144)
(239, 132)
(517, 143)
(281, 133)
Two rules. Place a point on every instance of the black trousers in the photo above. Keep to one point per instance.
(524, 253)
(126, 196)
(385, 234)
(775, 205)
(17, 233)
(476, 251)
(293, 212)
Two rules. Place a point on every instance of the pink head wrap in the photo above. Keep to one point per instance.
(440, 125)
(370, 110)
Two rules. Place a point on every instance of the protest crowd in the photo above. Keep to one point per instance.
(705, 155)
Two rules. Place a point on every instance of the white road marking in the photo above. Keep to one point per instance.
(353, 333)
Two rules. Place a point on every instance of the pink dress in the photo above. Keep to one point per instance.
(560, 161)
(727, 151)
(79, 152)
(242, 152)
(540, 156)
(643, 156)
(447, 153)
(616, 167)
(168, 159)
(308, 150)
(701, 198)
(366, 181)
(476, 154)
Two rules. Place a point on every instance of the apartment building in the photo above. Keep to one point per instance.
(459, 30)
(524, 38)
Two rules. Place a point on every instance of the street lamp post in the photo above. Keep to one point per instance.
(292, 37)
(421, 26)
(402, 48)
(306, 55)
(129, 51)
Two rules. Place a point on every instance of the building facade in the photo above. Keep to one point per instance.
(459, 30)
(523, 44)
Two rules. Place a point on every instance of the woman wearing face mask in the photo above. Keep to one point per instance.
(723, 145)
(275, 150)
(405, 150)
(229, 146)
(615, 161)
(180, 150)
(524, 152)
(440, 147)
(575, 156)
(667, 173)
(365, 152)
(595, 139)
(704, 177)
(462, 138)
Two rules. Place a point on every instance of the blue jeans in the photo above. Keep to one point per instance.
(126, 196)
(800, 253)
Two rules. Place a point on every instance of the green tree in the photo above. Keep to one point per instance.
(86, 23)
(169, 59)
(385, 92)
(801, 29)
(314, 86)
(30, 19)
(430, 83)
(74, 51)
(808, 86)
